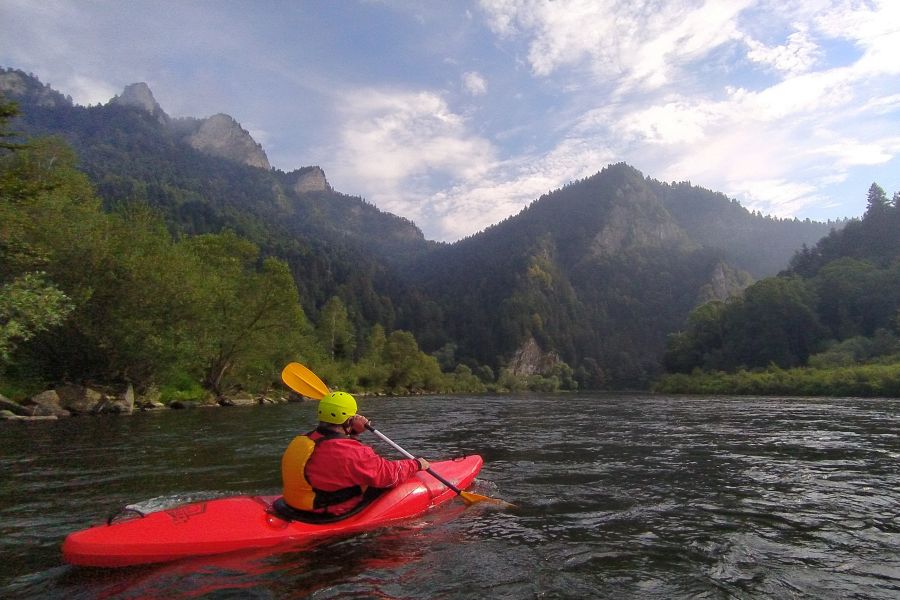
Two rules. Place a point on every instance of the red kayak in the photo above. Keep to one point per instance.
(245, 522)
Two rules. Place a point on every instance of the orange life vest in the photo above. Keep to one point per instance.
(298, 492)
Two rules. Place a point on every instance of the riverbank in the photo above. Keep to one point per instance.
(865, 381)
(76, 400)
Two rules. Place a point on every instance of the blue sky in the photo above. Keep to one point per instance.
(458, 114)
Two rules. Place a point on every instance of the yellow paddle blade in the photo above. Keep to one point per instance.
(471, 498)
(303, 381)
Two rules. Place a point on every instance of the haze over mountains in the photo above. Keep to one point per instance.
(597, 273)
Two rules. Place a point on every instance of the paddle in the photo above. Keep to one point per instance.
(305, 382)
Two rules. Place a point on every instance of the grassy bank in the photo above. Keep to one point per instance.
(870, 380)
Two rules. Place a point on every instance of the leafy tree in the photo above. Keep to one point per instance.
(409, 369)
(28, 305)
(250, 310)
(335, 330)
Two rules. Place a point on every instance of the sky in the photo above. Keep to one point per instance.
(458, 114)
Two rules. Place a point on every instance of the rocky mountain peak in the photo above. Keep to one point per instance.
(311, 180)
(220, 135)
(138, 95)
(17, 85)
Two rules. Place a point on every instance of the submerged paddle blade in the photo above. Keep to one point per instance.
(303, 381)
(471, 498)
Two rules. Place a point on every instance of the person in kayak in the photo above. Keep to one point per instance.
(329, 471)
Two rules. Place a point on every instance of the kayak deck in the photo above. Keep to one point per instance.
(245, 522)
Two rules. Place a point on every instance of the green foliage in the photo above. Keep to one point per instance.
(28, 306)
(835, 309)
(874, 380)
(335, 330)
(408, 368)
(599, 271)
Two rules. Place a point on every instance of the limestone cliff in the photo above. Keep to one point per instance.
(16, 84)
(311, 180)
(725, 282)
(638, 220)
(529, 359)
(138, 95)
(220, 135)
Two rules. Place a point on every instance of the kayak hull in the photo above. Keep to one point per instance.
(247, 522)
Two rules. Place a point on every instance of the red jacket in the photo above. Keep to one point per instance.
(343, 462)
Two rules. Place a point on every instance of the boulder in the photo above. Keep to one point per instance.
(123, 403)
(8, 415)
(13, 407)
(46, 404)
(80, 400)
(241, 399)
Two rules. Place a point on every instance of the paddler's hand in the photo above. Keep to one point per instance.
(423, 464)
(358, 424)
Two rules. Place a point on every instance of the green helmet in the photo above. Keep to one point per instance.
(336, 407)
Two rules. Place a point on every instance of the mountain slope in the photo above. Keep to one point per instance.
(599, 271)
(133, 152)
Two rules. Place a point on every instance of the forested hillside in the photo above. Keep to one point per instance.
(599, 271)
(579, 289)
(837, 306)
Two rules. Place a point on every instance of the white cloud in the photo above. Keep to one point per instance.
(778, 197)
(399, 145)
(776, 146)
(474, 83)
(87, 90)
(798, 55)
(634, 43)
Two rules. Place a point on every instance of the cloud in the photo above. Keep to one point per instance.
(797, 56)
(400, 145)
(684, 90)
(635, 43)
(474, 83)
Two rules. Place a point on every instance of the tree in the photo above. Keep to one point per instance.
(28, 305)
(250, 311)
(408, 368)
(335, 330)
(877, 201)
(775, 323)
(8, 110)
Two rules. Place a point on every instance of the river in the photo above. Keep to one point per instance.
(618, 496)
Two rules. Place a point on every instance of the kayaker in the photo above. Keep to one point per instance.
(328, 470)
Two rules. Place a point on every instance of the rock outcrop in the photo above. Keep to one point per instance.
(725, 282)
(138, 95)
(311, 180)
(220, 135)
(529, 359)
(15, 84)
(637, 220)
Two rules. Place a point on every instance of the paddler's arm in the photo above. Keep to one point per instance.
(368, 468)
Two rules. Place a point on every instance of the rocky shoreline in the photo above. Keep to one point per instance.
(76, 400)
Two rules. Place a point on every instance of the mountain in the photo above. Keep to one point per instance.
(600, 271)
(205, 175)
(595, 274)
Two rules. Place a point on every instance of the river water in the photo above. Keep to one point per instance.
(618, 496)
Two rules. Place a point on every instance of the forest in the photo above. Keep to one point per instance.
(165, 266)
(828, 324)
(112, 296)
